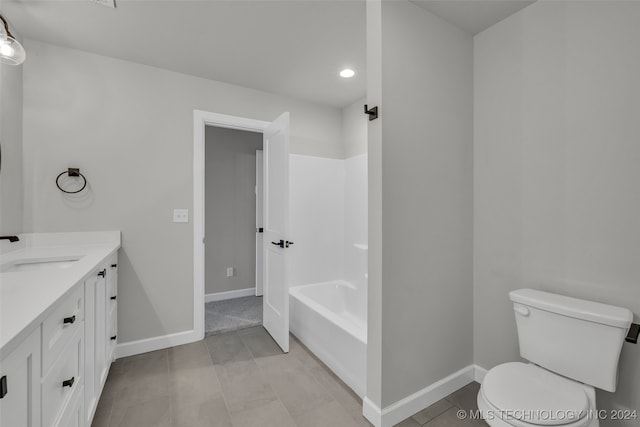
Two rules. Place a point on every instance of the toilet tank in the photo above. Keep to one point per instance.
(575, 338)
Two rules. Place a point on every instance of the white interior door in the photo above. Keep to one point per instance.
(275, 302)
(259, 223)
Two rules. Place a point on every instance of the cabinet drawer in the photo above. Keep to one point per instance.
(61, 325)
(73, 415)
(63, 381)
(112, 333)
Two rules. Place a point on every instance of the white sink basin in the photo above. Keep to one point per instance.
(38, 264)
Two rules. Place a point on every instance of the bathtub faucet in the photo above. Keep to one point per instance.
(10, 238)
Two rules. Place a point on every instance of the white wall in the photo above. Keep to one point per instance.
(354, 129)
(316, 219)
(230, 208)
(11, 211)
(557, 205)
(355, 214)
(356, 237)
(354, 137)
(129, 127)
(420, 194)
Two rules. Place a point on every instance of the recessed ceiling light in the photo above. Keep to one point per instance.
(347, 73)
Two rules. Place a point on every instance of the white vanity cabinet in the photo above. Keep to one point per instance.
(20, 390)
(45, 373)
(54, 359)
(99, 289)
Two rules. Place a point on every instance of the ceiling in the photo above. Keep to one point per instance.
(292, 47)
(473, 16)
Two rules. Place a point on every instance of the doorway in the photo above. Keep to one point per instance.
(233, 273)
(275, 135)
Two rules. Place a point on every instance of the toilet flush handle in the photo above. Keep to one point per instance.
(521, 310)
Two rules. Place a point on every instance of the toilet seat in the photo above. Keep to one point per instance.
(526, 395)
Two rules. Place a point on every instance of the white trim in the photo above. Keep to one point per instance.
(479, 373)
(156, 343)
(200, 120)
(221, 296)
(404, 408)
(371, 412)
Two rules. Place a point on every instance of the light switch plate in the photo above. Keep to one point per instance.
(181, 215)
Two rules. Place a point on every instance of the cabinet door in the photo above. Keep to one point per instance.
(96, 365)
(91, 398)
(20, 401)
(112, 306)
(100, 334)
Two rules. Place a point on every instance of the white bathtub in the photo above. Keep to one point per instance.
(330, 319)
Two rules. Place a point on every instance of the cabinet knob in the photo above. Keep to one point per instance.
(70, 319)
(113, 298)
(69, 382)
(113, 337)
(102, 273)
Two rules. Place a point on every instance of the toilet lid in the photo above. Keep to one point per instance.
(534, 395)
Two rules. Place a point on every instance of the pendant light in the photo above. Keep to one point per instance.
(11, 51)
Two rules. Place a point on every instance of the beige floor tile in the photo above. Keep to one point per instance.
(271, 414)
(193, 355)
(326, 415)
(300, 352)
(244, 386)
(451, 418)
(150, 413)
(466, 397)
(145, 389)
(298, 389)
(194, 385)
(259, 342)
(340, 392)
(409, 422)
(227, 348)
(101, 419)
(145, 367)
(432, 411)
(208, 413)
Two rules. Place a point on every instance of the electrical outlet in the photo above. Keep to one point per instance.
(230, 272)
(181, 215)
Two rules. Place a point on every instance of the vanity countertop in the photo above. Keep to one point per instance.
(26, 297)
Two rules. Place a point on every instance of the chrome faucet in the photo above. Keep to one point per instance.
(10, 238)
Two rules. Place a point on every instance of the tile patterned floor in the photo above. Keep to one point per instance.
(242, 379)
(234, 379)
(445, 413)
(232, 314)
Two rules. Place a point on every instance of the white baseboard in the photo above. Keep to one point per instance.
(220, 296)
(404, 408)
(371, 412)
(156, 343)
(479, 373)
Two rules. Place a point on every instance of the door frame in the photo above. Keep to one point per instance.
(201, 119)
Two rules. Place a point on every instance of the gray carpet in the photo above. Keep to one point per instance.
(232, 314)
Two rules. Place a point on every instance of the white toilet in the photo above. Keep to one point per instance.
(572, 345)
